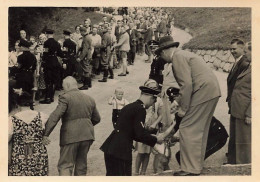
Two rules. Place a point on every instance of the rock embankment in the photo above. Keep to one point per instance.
(221, 60)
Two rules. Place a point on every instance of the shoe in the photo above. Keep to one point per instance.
(111, 77)
(47, 101)
(103, 80)
(122, 74)
(84, 87)
(183, 173)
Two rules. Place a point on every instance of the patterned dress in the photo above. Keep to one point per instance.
(29, 156)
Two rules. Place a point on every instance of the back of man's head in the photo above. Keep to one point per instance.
(237, 41)
(69, 83)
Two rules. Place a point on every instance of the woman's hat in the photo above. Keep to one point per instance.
(165, 43)
(151, 87)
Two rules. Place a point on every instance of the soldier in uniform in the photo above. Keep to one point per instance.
(69, 50)
(26, 70)
(105, 54)
(51, 66)
(85, 58)
(118, 146)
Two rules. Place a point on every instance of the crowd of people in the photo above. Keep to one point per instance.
(90, 50)
(182, 90)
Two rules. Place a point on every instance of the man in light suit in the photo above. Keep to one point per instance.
(124, 47)
(239, 102)
(199, 95)
(79, 114)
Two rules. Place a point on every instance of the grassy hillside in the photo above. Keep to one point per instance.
(213, 27)
(34, 20)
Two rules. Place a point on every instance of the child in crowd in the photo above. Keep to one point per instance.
(153, 120)
(118, 103)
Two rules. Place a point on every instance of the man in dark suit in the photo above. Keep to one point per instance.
(118, 146)
(79, 114)
(199, 95)
(133, 39)
(239, 100)
(26, 70)
(69, 49)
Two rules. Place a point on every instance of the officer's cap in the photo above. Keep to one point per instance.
(66, 32)
(150, 87)
(49, 31)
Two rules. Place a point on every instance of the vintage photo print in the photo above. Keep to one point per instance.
(129, 89)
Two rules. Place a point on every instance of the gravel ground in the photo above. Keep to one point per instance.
(102, 91)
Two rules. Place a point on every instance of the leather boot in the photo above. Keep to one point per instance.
(89, 82)
(85, 85)
(103, 80)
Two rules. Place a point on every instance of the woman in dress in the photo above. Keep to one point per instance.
(27, 153)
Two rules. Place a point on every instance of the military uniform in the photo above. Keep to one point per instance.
(105, 55)
(52, 67)
(24, 77)
(70, 59)
(118, 146)
(85, 58)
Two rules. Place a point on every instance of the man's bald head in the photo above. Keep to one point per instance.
(69, 83)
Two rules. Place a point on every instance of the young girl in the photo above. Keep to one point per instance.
(118, 103)
(144, 151)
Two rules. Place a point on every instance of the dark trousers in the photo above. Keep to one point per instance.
(239, 146)
(74, 156)
(51, 78)
(117, 167)
(131, 54)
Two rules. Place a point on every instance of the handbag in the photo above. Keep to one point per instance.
(217, 138)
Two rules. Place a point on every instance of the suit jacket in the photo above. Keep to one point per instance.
(78, 114)
(86, 48)
(133, 37)
(124, 42)
(117, 33)
(241, 95)
(130, 127)
(162, 27)
(232, 77)
(197, 82)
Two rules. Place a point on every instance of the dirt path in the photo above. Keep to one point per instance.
(102, 91)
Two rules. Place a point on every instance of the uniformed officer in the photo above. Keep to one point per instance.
(118, 146)
(51, 66)
(105, 50)
(26, 70)
(85, 58)
(69, 51)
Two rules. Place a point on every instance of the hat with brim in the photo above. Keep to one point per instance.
(66, 32)
(150, 87)
(49, 31)
(165, 43)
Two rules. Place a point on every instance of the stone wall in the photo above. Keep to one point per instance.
(221, 60)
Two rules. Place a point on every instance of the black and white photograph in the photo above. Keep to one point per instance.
(129, 91)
